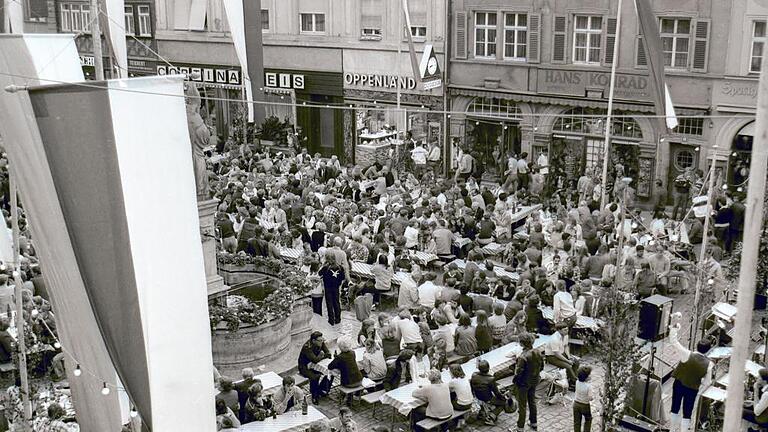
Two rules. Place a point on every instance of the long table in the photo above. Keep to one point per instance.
(499, 359)
(500, 272)
(292, 421)
(549, 314)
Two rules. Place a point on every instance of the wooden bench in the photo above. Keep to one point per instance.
(454, 358)
(429, 424)
(373, 399)
(505, 383)
(347, 391)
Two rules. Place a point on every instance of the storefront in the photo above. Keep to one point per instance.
(735, 101)
(221, 93)
(311, 101)
(373, 83)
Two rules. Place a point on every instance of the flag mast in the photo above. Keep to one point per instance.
(608, 121)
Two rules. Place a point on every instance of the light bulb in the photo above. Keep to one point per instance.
(105, 389)
(77, 371)
(725, 187)
(711, 281)
(35, 312)
(56, 345)
(134, 413)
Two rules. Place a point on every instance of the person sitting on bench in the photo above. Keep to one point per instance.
(436, 395)
(756, 410)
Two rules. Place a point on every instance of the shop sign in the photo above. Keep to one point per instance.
(203, 73)
(379, 81)
(576, 83)
(87, 61)
(735, 93)
(141, 65)
(284, 80)
(431, 76)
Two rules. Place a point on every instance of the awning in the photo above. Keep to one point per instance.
(643, 107)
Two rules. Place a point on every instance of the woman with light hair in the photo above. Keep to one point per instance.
(346, 363)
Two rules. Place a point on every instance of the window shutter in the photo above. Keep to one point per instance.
(460, 39)
(559, 39)
(534, 38)
(610, 40)
(197, 15)
(181, 14)
(700, 55)
(640, 60)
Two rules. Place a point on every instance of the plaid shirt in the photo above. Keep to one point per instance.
(331, 214)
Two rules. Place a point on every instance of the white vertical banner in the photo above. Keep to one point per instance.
(115, 13)
(236, 19)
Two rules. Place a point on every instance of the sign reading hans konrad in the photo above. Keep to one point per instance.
(429, 69)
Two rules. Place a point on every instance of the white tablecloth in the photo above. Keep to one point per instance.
(424, 258)
(290, 253)
(362, 269)
(493, 248)
(292, 421)
(499, 359)
(500, 272)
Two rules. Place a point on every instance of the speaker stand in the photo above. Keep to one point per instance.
(648, 379)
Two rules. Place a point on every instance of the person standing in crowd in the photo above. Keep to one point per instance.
(433, 158)
(523, 171)
(527, 369)
(419, 157)
(333, 276)
(582, 410)
(692, 373)
(682, 189)
(314, 351)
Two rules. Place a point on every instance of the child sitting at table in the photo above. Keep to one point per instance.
(498, 323)
(438, 357)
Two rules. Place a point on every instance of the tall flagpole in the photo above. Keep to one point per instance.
(21, 342)
(751, 248)
(608, 121)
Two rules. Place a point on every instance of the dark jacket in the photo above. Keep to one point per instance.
(346, 363)
(317, 240)
(395, 372)
(535, 322)
(6, 347)
(484, 387)
(528, 368)
(311, 354)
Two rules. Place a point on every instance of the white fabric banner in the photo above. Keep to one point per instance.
(236, 19)
(14, 17)
(173, 304)
(115, 13)
(54, 57)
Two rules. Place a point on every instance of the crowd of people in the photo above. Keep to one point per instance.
(491, 276)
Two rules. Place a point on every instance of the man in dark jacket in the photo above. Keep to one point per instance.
(6, 343)
(314, 351)
(242, 391)
(527, 369)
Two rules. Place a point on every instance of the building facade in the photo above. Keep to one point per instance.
(75, 16)
(332, 67)
(533, 76)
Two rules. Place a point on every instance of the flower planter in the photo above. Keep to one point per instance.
(301, 318)
(235, 274)
(250, 346)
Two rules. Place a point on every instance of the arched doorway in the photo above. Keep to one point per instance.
(492, 131)
(578, 144)
(741, 156)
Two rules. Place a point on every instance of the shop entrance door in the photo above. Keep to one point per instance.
(485, 138)
(680, 157)
(321, 126)
(566, 160)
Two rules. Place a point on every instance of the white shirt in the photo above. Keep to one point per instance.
(409, 331)
(411, 236)
(428, 293)
(419, 155)
(556, 344)
(562, 303)
(522, 166)
(463, 390)
(543, 164)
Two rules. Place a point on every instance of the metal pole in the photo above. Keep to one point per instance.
(22, 348)
(98, 59)
(749, 255)
(608, 122)
(702, 253)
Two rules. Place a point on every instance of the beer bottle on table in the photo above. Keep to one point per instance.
(304, 407)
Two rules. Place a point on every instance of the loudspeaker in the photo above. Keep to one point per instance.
(655, 312)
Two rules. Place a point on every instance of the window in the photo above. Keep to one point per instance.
(66, 17)
(587, 33)
(515, 35)
(312, 23)
(264, 19)
(590, 121)
(145, 22)
(684, 159)
(75, 17)
(675, 41)
(690, 126)
(36, 10)
(758, 42)
(494, 107)
(129, 26)
(485, 34)
(371, 12)
(418, 12)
